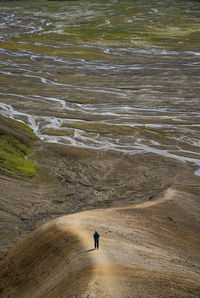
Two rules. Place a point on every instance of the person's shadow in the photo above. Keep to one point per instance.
(89, 250)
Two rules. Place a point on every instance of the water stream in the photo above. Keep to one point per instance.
(108, 75)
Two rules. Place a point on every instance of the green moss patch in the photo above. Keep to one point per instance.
(91, 127)
(102, 128)
(18, 130)
(172, 25)
(117, 129)
(15, 141)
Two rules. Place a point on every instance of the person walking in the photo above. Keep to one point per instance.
(96, 237)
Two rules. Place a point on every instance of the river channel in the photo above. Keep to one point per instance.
(108, 75)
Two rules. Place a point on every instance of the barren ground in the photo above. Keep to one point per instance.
(85, 179)
(149, 249)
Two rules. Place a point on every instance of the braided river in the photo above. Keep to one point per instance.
(107, 75)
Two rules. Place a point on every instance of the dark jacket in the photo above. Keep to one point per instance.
(96, 236)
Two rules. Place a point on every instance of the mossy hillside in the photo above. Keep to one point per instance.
(15, 141)
(12, 156)
(18, 130)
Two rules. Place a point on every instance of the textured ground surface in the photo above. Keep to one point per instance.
(73, 179)
(111, 88)
(151, 250)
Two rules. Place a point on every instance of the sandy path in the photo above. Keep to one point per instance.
(167, 196)
(103, 282)
(146, 250)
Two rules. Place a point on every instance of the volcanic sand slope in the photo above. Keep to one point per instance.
(146, 250)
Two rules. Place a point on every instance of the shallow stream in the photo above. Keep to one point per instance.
(109, 75)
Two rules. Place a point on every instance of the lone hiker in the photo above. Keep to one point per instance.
(96, 237)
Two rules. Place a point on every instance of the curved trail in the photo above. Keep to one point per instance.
(102, 283)
(146, 250)
(168, 195)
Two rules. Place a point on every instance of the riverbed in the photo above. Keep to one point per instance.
(114, 76)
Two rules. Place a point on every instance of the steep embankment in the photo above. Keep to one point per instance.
(148, 249)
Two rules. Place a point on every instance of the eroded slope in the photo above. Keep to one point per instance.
(148, 249)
